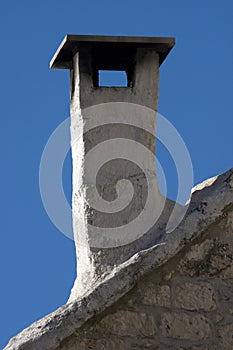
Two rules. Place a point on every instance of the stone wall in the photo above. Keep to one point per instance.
(185, 304)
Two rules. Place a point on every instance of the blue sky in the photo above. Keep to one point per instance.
(196, 88)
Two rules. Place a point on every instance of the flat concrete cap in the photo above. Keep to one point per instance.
(71, 43)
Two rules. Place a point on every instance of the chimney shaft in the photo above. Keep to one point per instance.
(119, 118)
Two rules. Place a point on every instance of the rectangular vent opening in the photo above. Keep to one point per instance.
(112, 78)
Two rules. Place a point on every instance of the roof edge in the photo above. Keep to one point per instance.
(48, 332)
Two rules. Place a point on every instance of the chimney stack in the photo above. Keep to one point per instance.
(113, 149)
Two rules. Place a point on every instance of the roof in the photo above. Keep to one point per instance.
(47, 333)
(69, 46)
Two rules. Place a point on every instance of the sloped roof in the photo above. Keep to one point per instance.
(47, 333)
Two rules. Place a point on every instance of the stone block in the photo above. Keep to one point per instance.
(201, 347)
(127, 323)
(184, 326)
(157, 296)
(225, 291)
(94, 344)
(211, 258)
(227, 273)
(195, 296)
(225, 334)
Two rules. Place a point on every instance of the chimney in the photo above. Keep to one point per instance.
(116, 205)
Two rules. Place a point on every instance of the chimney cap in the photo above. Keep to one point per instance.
(62, 59)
